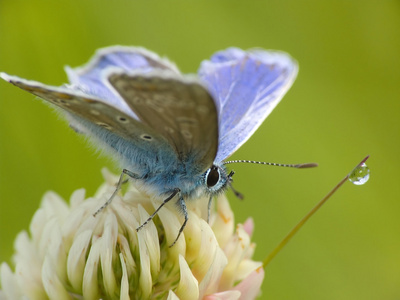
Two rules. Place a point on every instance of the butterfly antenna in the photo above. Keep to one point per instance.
(297, 166)
(240, 195)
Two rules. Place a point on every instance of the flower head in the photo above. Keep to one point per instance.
(69, 254)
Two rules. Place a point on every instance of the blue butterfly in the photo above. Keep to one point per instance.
(170, 132)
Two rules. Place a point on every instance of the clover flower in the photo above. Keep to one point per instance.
(69, 254)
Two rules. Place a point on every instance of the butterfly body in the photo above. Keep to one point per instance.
(170, 132)
(157, 172)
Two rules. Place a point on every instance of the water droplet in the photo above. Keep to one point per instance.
(359, 175)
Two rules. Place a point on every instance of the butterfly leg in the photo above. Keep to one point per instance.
(182, 205)
(209, 209)
(176, 191)
(118, 187)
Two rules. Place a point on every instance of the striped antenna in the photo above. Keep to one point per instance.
(297, 166)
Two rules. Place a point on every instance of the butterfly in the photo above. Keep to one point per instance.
(170, 132)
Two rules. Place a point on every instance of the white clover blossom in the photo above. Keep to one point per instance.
(69, 254)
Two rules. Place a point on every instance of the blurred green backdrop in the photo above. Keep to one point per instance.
(344, 105)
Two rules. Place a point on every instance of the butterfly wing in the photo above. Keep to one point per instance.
(90, 78)
(179, 108)
(103, 121)
(177, 114)
(247, 86)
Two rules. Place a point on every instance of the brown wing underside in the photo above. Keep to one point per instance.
(181, 110)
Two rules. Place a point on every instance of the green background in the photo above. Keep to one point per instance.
(343, 106)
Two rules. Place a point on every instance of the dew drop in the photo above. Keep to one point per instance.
(359, 175)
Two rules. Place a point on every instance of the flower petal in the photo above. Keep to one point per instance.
(10, 286)
(55, 288)
(77, 198)
(248, 226)
(208, 251)
(171, 224)
(28, 267)
(129, 261)
(250, 287)
(172, 296)
(188, 287)
(145, 279)
(77, 259)
(226, 295)
(210, 281)
(193, 230)
(223, 225)
(57, 253)
(109, 241)
(90, 284)
(124, 293)
(235, 251)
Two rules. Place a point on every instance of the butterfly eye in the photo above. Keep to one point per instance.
(213, 176)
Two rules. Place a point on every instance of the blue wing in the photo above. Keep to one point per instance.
(247, 85)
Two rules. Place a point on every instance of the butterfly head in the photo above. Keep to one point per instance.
(217, 179)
